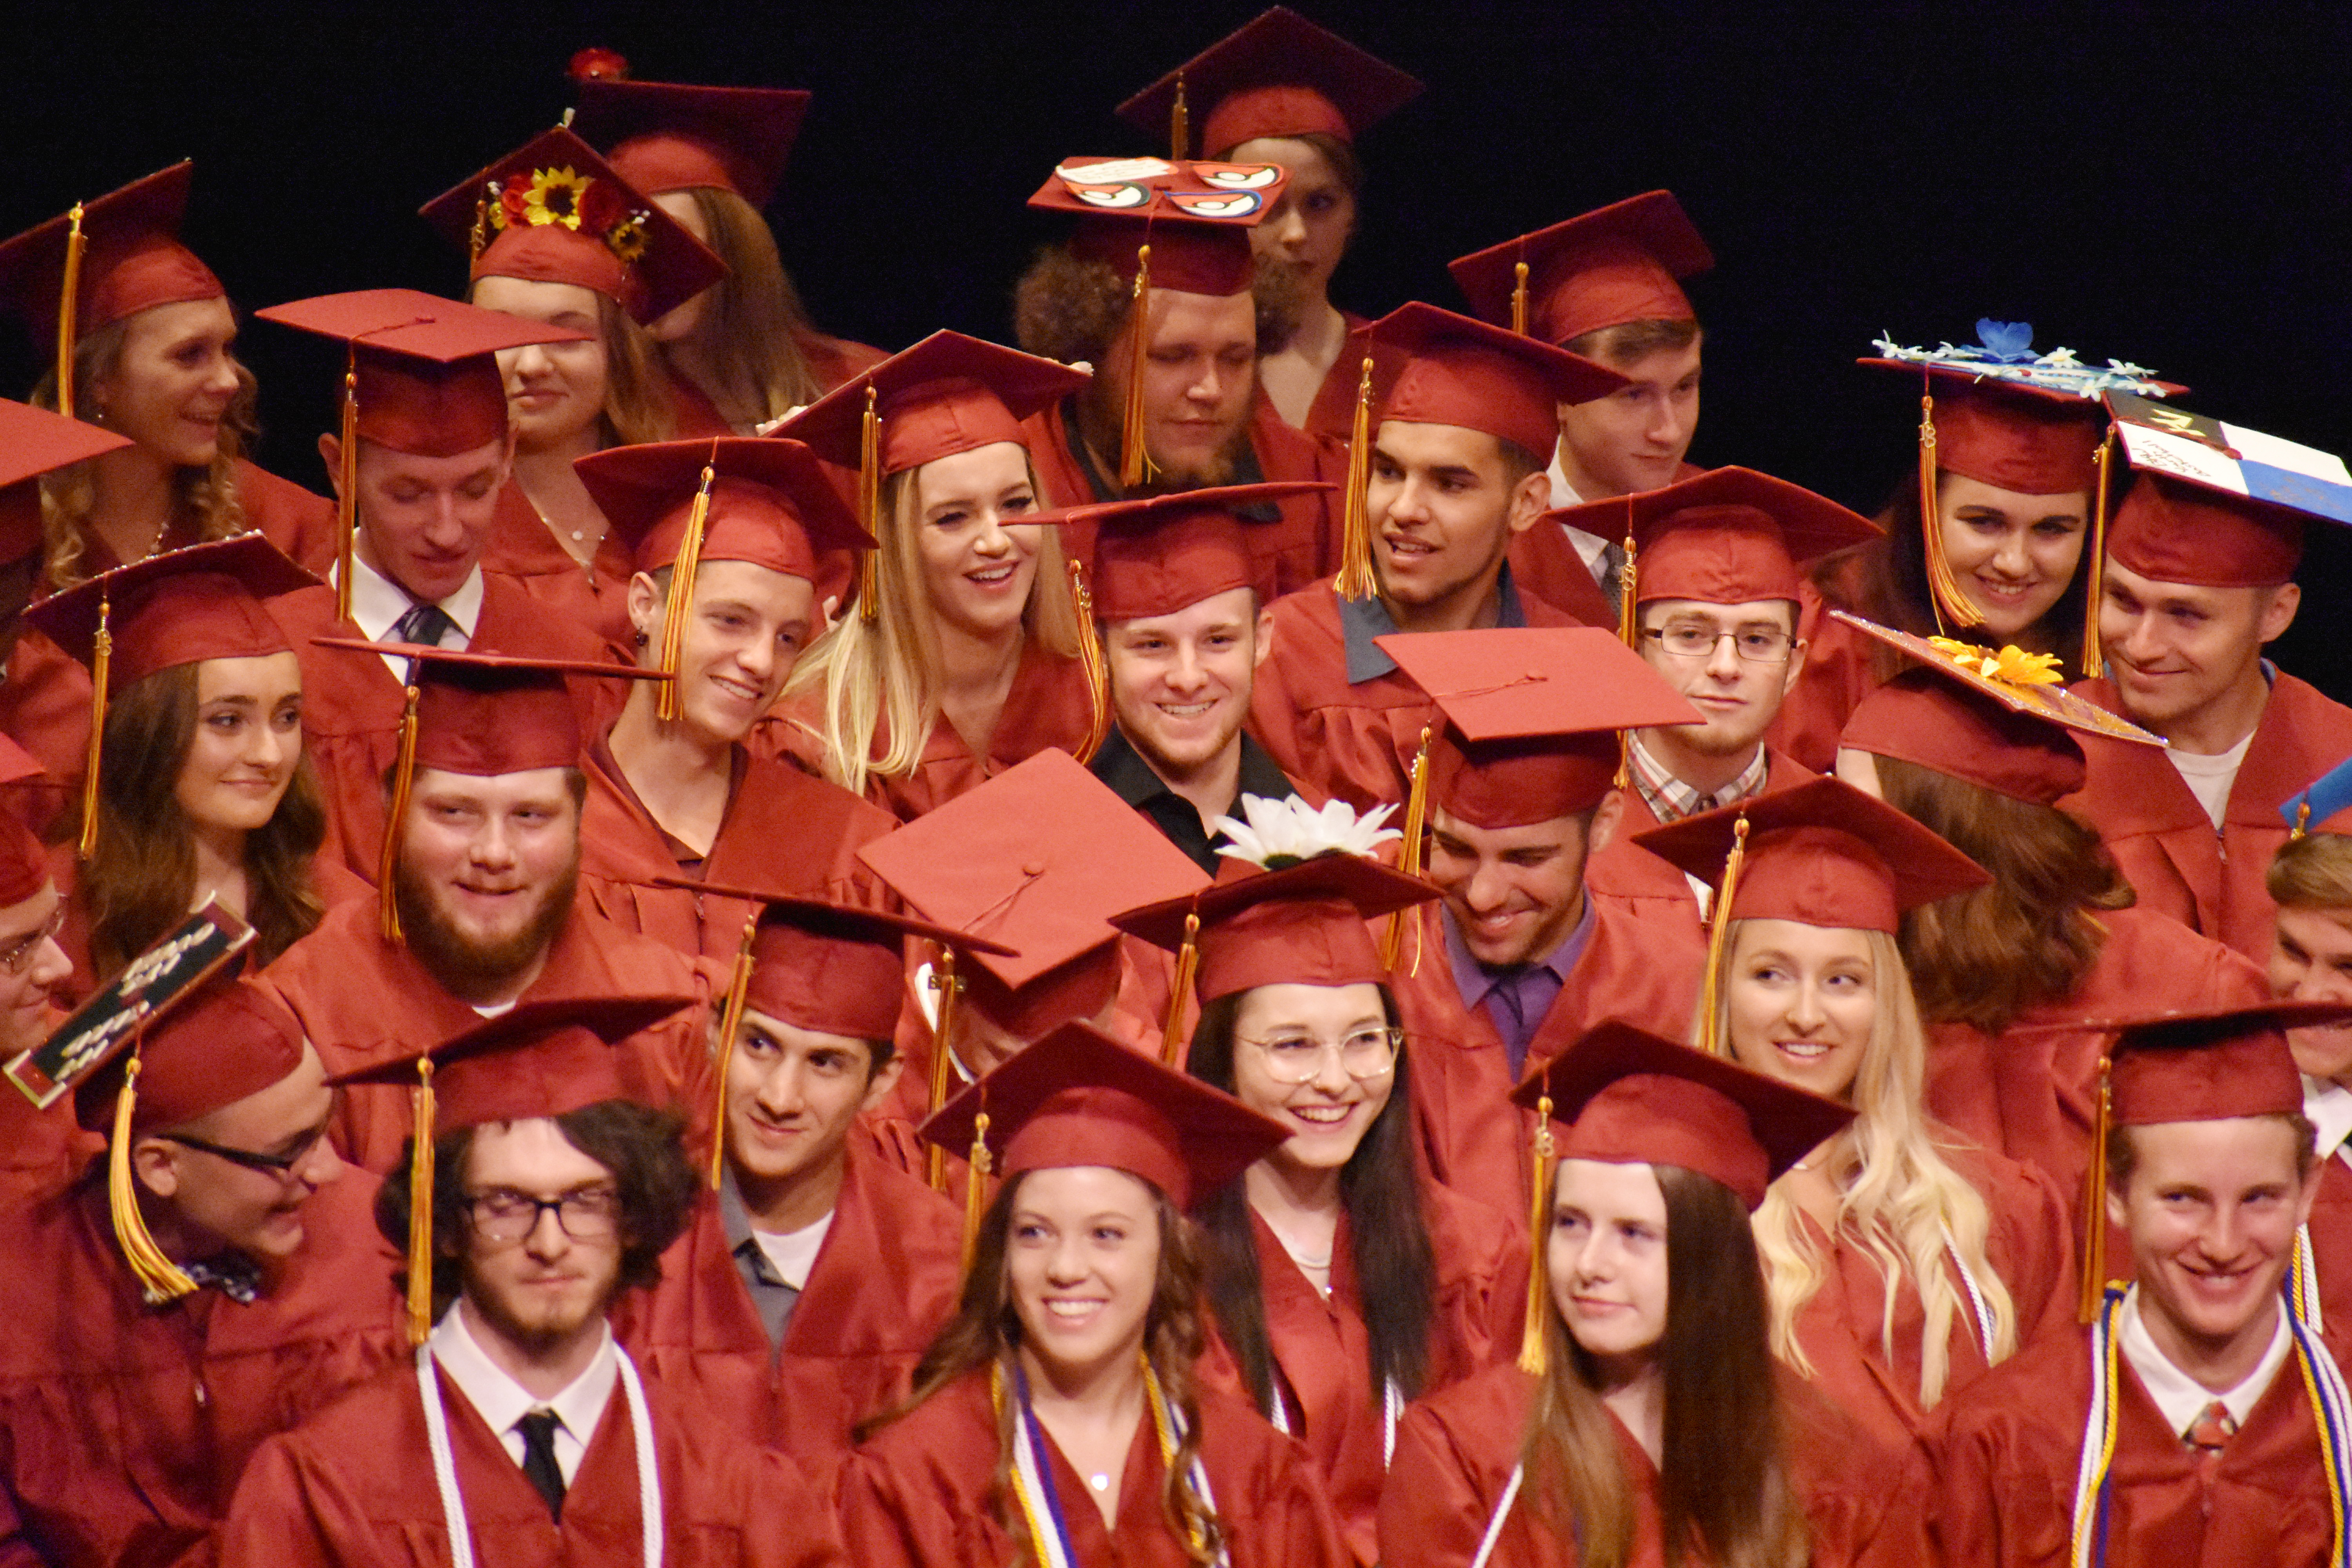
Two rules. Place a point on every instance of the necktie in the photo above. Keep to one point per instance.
(2212, 1429)
(1611, 573)
(1516, 1004)
(425, 625)
(539, 1466)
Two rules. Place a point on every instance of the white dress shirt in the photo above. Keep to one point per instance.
(378, 602)
(1588, 546)
(2329, 1106)
(2180, 1397)
(501, 1402)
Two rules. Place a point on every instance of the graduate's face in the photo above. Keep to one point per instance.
(1633, 440)
(219, 1203)
(1443, 511)
(1516, 893)
(2311, 961)
(1308, 230)
(32, 967)
(546, 1288)
(745, 632)
(172, 383)
(555, 392)
(1297, 1052)
(248, 743)
(422, 520)
(1606, 1257)
(488, 868)
(1082, 1261)
(1803, 1004)
(2013, 553)
(793, 1095)
(978, 555)
(1199, 369)
(1740, 696)
(1179, 684)
(2174, 649)
(2211, 1208)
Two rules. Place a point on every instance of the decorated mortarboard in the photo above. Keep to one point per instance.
(103, 260)
(1277, 75)
(670, 136)
(2323, 806)
(2214, 504)
(1602, 268)
(555, 212)
(536, 1060)
(178, 608)
(420, 376)
(1155, 555)
(1728, 536)
(2003, 719)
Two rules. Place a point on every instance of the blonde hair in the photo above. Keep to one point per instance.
(880, 679)
(1898, 1198)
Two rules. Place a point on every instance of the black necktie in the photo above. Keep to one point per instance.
(539, 1466)
(425, 625)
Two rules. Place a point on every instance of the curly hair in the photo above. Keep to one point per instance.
(1070, 309)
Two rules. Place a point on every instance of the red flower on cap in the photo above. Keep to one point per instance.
(593, 64)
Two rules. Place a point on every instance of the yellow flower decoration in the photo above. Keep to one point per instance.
(628, 239)
(555, 196)
(2012, 666)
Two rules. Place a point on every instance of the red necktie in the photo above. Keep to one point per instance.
(2212, 1429)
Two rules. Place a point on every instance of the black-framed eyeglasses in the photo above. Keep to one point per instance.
(279, 1165)
(504, 1215)
(1757, 645)
(18, 955)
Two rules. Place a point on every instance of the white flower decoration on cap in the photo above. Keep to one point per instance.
(1281, 833)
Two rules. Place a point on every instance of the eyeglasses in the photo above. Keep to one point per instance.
(18, 956)
(1368, 1053)
(586, 1214)
(279, 1165)
(1757, 645)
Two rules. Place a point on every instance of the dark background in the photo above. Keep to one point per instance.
(2163, 184)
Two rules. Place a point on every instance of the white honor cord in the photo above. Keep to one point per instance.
(2307, 1278)
(1392, 1406)
(445, 1463)
(1502, 1512)
(1976, 1295)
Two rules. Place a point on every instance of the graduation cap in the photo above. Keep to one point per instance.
(536, 1060)
(2323, 806)
(1158, 554)
(1602, 268)
(420, 376)
(553, 212)
(2001, 719)
(1277, 75)
(671, 136)
(678, 504)
(174, 608)
(1823, 854)
(33, 442)
(105, 259)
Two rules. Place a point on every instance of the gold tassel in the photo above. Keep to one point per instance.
(869, 505)
(1188, 960)
(69, 307)
(481, 237)
(1134, 464)
(1090, 660)
(1950, 603)
(1356, 579)
(347, 495)
(1519, 298)
(1416, 812)
(730, 1023)
(975, 1201)
(1629, 582)
(1719, 932)
(2301, 817)
(404, 776)
(949, 984)
(420, 1208)
(1531, 1331)
(680, 603)
(2094, 565)
(1180, 125)
(101, 660)
(160, 1279)
(2094, 1201)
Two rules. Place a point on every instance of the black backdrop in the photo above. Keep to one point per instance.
(2166, 183)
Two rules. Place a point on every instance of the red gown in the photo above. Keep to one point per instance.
(883, 1282)
(2001, 1471)
(1842, 667)
(123, 1427)
(2331, 1246)
(300, 523)
(353, 1488)
(2165, 843)
(1333, 416)
(593, 598)
(362, 1000)
(919, 1493)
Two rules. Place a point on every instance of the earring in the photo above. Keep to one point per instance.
(642, 639)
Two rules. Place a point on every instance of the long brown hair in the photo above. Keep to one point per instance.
(1724, 1497)
(2031, 935)
(205, 496)
(986, 1330)
(637, 407)
(141, 872)
(1388, 1246)
(752, 320)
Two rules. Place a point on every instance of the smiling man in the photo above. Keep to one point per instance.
(2198, 1371)
(2197, 581)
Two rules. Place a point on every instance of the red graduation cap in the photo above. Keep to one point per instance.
(230, 1039)
(669, 136)
(33, 442)
(555, 212)
(1194, 217)
(2170, 529)
(1464, 373)
(768, 502)
(2212, 1066)
(1277, 75)
(2010, 434)
(1614, 265)
(947, 394)
(1156, 554)
(1729, 536)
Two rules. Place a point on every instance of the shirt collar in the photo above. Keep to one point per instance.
(2180, 1398)
(1670, 799)
(501, 1402)
(2329, 1107)
(1361, 620)
(378, 601)
(1474, 980)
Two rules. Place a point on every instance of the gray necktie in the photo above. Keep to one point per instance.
(424, 625)
(1611, 573)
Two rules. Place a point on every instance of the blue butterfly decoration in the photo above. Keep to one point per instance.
(2009, 342)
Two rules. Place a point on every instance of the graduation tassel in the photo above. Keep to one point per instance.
(680, 603)
(1356, 580)
(1628, 581)
(1179, 126)
(1531, 1332)
(347, 488)
(2094, 565)
(403, 777)
(974, 1199)
(1951, 604)
(1718, 932)
(160, 1279)
(69, 307)
(730, 1023)
(2301, 817)
(479, 236)
(1188, 960)
(1417, 811)
(949, 984)
(1132, 462)
(2094, 1201)
(1090, 660)
(101, 658)
(420, 1208)
(869, 507)
(1519, 298)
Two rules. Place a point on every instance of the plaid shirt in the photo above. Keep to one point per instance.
(1670, 800)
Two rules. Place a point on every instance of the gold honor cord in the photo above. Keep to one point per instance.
(420, 1208)
(949, 985)
(1531, 1332)
(680, 603)
(101, 662)
(869, 505)
(68, 308)
(731, 1024)
(1356, 580)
